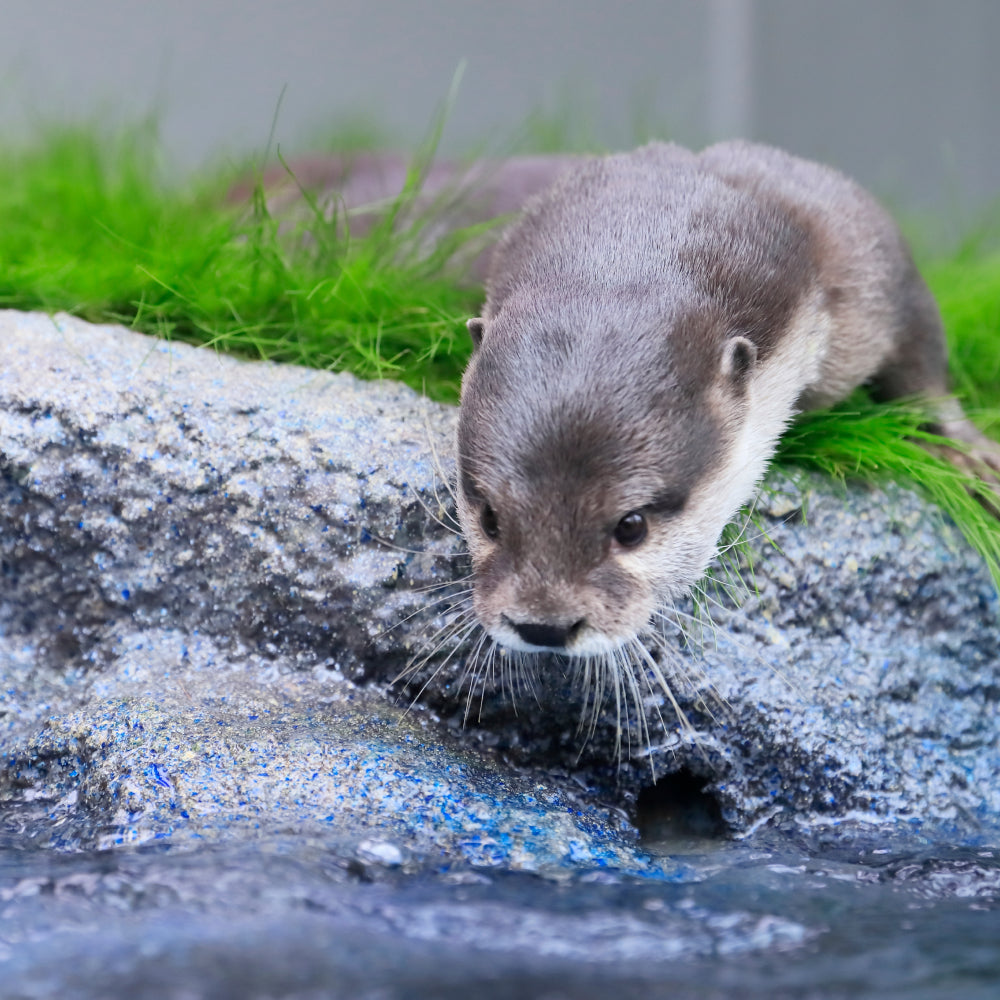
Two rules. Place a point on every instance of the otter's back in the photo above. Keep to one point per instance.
(868, 283)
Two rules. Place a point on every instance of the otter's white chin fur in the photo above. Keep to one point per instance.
(591, 644)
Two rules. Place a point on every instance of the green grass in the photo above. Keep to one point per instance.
(89, 225)
(861, 440)
(967, 287)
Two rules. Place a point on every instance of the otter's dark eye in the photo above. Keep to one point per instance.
(488, 522)
(630, 530)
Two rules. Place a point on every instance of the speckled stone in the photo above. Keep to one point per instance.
(209, 569)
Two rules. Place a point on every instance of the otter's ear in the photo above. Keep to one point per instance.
(738, 359)
(476, 328)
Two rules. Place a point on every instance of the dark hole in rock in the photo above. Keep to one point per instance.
(678, 806)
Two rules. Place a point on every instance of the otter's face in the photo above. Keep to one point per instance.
(593, 485)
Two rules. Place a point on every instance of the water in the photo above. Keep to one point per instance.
(768, 918)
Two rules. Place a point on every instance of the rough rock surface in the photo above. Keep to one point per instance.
(192, 564)
(191, 544)
(211, 571)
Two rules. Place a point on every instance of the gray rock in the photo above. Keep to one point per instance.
(212, 570)
(146, 482)
(197, 553)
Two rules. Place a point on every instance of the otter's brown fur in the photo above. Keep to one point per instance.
(652, 323)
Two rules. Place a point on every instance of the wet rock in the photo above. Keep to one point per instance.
(197, 554)
(147, 482)
(212, 569)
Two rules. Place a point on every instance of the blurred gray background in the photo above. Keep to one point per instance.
(903, 94)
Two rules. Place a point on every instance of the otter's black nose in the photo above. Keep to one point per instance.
(538, 634)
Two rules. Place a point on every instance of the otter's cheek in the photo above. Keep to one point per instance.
(480, 548)
(493, 590)
(620, 599)
(665, 569)
(486, 610)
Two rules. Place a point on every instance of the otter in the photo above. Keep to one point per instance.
(653, 321)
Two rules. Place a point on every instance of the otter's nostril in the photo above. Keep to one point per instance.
(543, 634)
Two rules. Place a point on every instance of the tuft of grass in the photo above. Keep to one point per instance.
(877, 443)
(89, 224)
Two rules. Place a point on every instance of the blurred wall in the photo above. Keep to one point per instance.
(904, 94)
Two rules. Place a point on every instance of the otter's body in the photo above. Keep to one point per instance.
(652, 323)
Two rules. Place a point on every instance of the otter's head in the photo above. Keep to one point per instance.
(598, 462)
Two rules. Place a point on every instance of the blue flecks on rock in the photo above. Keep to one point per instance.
(153, 771)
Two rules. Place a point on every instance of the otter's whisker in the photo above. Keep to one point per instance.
(685, 628)
(630, 687)
(453, 590)
(473, 672)
(661, 682)
(718, 588)
(631, 695)
(437, 465)
(590, 682)
(636, 648)
(470, 672)
(605, 674)
(441, 584)
(415, 552)
(490, 670)
(461, 636)
(749, 651)
(618, 691)
(507, 668)
(700, 592)
(740, 540)
(726, 580)
(460, 596)
(746, 517)
(463, 621)
(451, 528)
(698, 683)
(637, 671)
(688, 668)
(524, 676)
(591, 679)
(583, 673)
(463, 612)
(689, 627)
